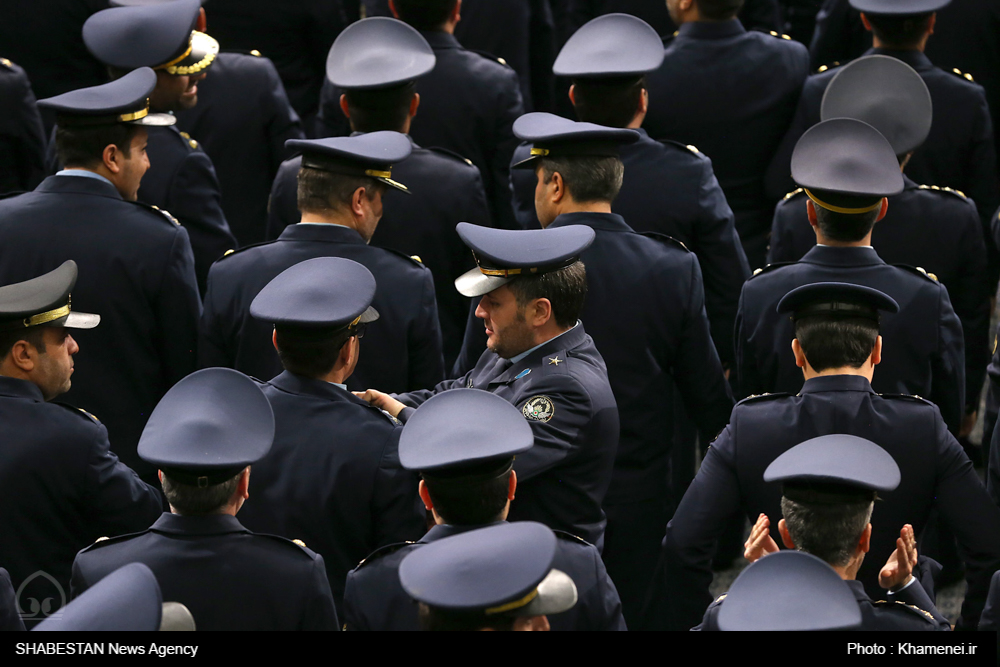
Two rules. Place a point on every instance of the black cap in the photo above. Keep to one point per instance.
(846, 166)
(125, 100)
(898, 7)
(208, 427)
(555, 136)
(505, 569)
(613, 45)
(326, 294)
(887, 94)
(464, 431)
(837, 300)
(789, 590)
(159, 35)
(378, 52)
(371, 154)
(128, 599)
(44, 301)
(504, 254)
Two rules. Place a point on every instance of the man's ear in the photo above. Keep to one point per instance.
(644, 101)
(357, 208)
(22, 355)
(800, 356)
(884, 209)
(346, 353)
(557, 187)
(786, 537)
(111, 157)
(864, 21)
(243, 486)
(511, 485)
(425, 496)
(877, 352)
(392, 8)
(343, 105)
(414, 105)
(572, 94)
(274, 339)
(541, 312)
(201, 25)
(866, 537)
(811, 212)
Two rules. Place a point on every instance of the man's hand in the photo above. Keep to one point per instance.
(899, 568)
(380, 400)
(759, 544)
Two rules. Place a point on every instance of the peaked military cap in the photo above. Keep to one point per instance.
(464, 431)
(836, 299)
(370, 154)
(789, 590)
(128, 599)
(555, 136)
(846, 166)
(378, 52)
(613, 45)
(208, 427)
(887, 94)
(142, 3)
(502, 569)
(125, 100)
(44, 301)
(159, 35)
(325, 294)
(504, 254)
(898, 7)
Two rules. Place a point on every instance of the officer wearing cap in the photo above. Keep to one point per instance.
(61, 487)
(376, 63)
(732, 94)
(540, 359)
(959, 151)
(203, 437)
(836, 346)
(128, 599)
(829, 488)
(847, 169)
(468, 482)
(468, 102)
(136, 266)
(934, 228)
(341, 184)
(608, 60)
(181, 178)
(332, 477)
(498, 578)
(22, 137)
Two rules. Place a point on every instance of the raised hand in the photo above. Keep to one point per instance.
(899, 568)
(759, 543)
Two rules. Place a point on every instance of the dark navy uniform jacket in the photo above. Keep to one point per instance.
(332, 477)
(10, 619)
(934, 228)
(935, 473)
(22, 137)
(400, 352)
(990, 620)
(61, 488)
(444, 191)
(136, 272)
(914, 612)
(242, 121)
(731, 93)
(375, 600)
(692, 210)
(563, 479)
(468, 104)
(229, 577)
(923, 350)
(762, 14)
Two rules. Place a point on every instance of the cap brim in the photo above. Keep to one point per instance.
(475, 283)
(155, 120)
(369, 315)
(77, 320)
(395, 184)
(204, 50)
(527, 163)
(556, 594)
(176, 618)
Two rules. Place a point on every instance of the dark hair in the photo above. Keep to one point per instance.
(381, 108)
(566, 290)
(612, 102)
(719, 10)
(900, 31)
(322, 191)
(830, 342)
(845, 227)
(425, 14)
(190, 500)
(84, 146)
(33, 335)
(827, 531)
(434, 619)
(310, 354)
(465, 502)
(588, 179)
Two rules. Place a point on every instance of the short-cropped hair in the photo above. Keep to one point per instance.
(845, 227)
(900, 31)
(612, 102)
(719, 10)
(190, 500)
(308, 354)
(380, 109)
(33, 335)
(321, 191)
(828, 531)
(425, 14)
(434, 619)
(835, 342)
(588, 179)
(566, 290)
(465, 502)
(84, 146)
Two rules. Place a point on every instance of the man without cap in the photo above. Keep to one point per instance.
(837, 346)
(341, 184)
(136, 265)
(203, 437)
(468, 482)
(61, 487)
(332, 477)
(541, 360)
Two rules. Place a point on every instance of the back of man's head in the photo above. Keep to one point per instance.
(426, 15)
(473, 495)
(612, 102)
(588, 179)
(193, 500)
(828, 528)
(374, 110)
(325, 192)
(904, 31)
(836, 342)
(311, 354)
(566, 290)
(84, 146)
(845, 227)
(719, 10)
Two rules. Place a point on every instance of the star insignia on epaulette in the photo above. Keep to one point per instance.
(555, 361)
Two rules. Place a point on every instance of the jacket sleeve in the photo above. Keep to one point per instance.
(990, 620)
(215, 341)
(915, 595)
(948, 364)
(971, 299)
(283, 123)
(319, 613)
(177, 310)
(778, 178)
(397, 510)
(747, 375)
(509, 107)
(426, 357)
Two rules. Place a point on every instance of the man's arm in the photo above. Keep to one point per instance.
(397, 508)
(426, 358)
(283, 123)
(948, 364)
(319, 613)
(215, 341)
(178, 309)
(508, 107)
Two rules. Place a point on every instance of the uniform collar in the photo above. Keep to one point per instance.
(852, 256)
(915, 59)
(909, 183)
(825, 383)
(610, 222)
(858, 589)
(565, 341)
(215, 524)
(711, 29)
(16, 388)
(298, 384)
(439, 39)
(441, 531)
(328, 233)
(85, 186)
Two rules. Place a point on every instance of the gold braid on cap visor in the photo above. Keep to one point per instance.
(212, 50)
(841, 209)
(516, 604)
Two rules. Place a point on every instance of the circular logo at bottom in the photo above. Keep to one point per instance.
(538, 409)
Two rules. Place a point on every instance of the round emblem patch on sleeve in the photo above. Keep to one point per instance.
(538, 409)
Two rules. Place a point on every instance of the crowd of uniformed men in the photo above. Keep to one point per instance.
(470, 318)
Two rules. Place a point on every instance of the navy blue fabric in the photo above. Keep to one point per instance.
(22, 137)
(989, 621)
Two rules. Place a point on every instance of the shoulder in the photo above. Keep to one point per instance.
(769, 270)
(382, 556)
(911, 616)
(162, 215)
(108, 545)
(12, 74)
(760, 399)
(291, 549)
(232, 259)
(909, 398)
(490, 61)
(945, 196)
(781, 43)
(666, 241)
(918, 271)
(405, 262)
(77, 415)
(450, 160)
(957, 82)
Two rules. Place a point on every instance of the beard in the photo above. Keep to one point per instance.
(513, 340)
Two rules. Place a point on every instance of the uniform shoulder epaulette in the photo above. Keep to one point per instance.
(764, 396)
(951, 191)
(413, 259)
(79, 412)
(770, 267)
(160, 211)
(908, 397)
(12, 193)
(6, 64)
(299, 545)
(666, 39)
(793, 193)
(451, 154)
(107, 541)
(490, 56)
(964, 75)
(918, 270)
(192, 143)
(570, 537)
(664, 238)
(913, 609)
(235, 251)
(382, 552)
(823, 68)
(779, 35)
(243, 52)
